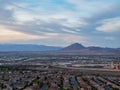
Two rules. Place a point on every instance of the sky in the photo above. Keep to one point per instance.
(60, 22)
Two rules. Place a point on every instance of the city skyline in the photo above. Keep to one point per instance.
(60, 22)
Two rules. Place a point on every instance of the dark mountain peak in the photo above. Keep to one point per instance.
(75, 46)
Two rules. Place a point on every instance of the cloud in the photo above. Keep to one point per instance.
(69, 31)
(87, 8)
(58, 40)
(8, 35)
(33, 23)
(63, 39)
(23, 18)
(111, 25)
(58, 22)
(110, 38)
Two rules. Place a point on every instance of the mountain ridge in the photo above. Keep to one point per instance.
(26, 47)
(73, 48)
(79, 48)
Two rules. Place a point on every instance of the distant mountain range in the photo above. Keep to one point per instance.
(74, 48)
(26, 47)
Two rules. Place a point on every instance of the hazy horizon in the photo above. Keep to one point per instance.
(60, 22)
(57, 45)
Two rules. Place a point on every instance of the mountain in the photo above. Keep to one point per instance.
(72, 49)
(75, 46)
(26, 47)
